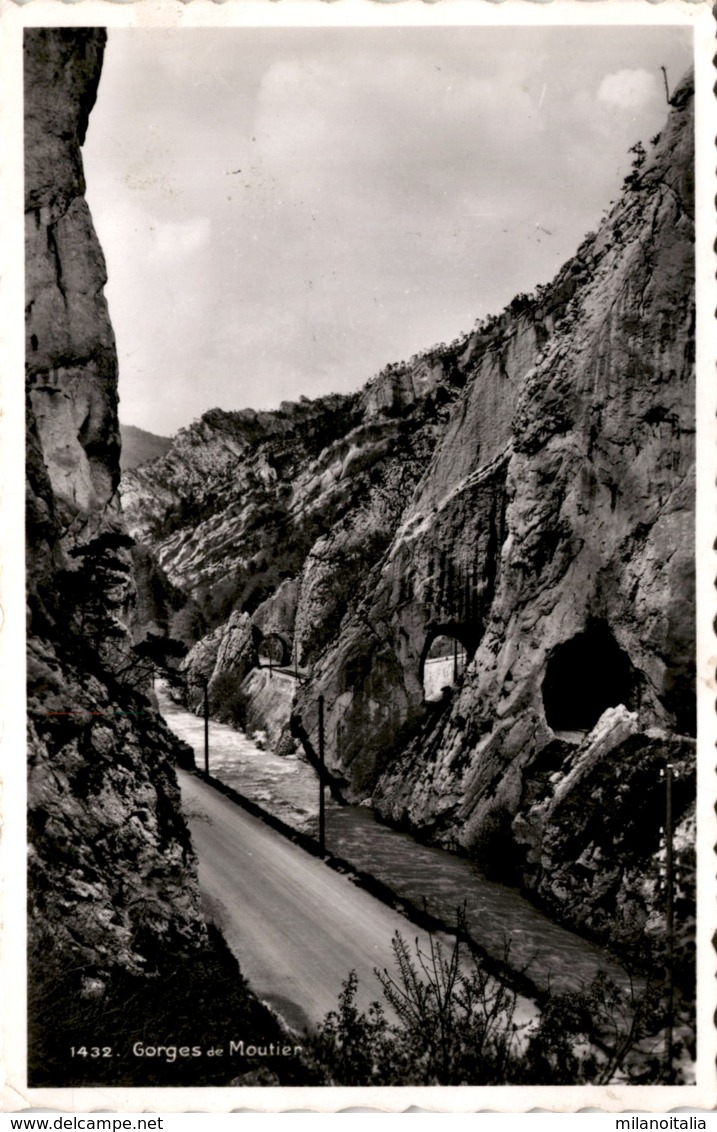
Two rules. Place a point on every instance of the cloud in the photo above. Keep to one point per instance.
(352, 110)
(283, 211)
(629, 90)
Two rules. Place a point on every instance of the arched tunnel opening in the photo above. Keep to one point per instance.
(443, 662)
(274, 650)
(584, 676)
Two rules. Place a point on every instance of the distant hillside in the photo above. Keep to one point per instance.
(139, 447)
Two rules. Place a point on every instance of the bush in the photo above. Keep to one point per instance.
(351, 1047)
(229, 702)
(599, 1036)
(456, 1025)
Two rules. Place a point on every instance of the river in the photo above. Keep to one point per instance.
(498, 917)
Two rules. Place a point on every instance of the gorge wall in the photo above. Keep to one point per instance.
(592, 601)
(526, 492)
(112, 872)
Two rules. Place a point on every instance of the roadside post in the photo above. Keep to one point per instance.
(322, 815)
(206, 727)
(669, 922)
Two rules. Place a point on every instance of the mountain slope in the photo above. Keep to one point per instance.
(139, 446)
(241, 499)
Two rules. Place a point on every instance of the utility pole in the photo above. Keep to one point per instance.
(322, 815)
(669, 921)
(206, 728)
(455, 660)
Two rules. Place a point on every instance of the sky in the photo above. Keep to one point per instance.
(285, 211)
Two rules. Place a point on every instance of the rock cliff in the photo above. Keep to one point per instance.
(112, 871)
(523, 497)
(117, 943)
(590, 602)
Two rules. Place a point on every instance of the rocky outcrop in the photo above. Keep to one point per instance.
(588, 830)
(526, 494)
(220, 660)
(112, 873)
(243, 500)
(71, 359)
(223, 487)
(111, 862)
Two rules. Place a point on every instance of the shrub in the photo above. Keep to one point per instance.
(632, 180)
(229, 702)
(456, 1025)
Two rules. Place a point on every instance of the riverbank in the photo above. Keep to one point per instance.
(428, 885)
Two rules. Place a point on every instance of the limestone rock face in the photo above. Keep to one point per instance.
(590, 834)
(597, 540)
(221, 495)
(112, 872)
(111, 861)
(268, 699)
(220, 661)
(277, 616)
(70, 352)
(593, 599)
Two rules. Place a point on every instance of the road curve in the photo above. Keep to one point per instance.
(296, 926)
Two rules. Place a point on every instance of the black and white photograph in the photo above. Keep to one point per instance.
(360, 573)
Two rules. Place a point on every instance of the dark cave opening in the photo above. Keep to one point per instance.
(584, 676)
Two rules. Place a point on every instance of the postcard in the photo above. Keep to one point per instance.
(359, 670)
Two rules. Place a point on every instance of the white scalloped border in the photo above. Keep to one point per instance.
(14, 16)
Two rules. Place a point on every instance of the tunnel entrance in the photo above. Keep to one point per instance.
(274, 650)
(584, 676)
(443, 663)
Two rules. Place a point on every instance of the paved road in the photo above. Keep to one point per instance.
(295, 925)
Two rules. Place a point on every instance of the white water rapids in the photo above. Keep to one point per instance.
(498, 917)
